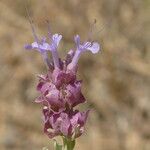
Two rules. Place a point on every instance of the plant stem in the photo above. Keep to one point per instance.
(68, 144)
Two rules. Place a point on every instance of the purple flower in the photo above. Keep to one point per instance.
(59, 89)
(41, 47)
(61, 77)
(91, 46)
(55, 42)
(94, 47)
(74, 95)
(69, 124)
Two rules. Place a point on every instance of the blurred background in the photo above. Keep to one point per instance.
(116, 82)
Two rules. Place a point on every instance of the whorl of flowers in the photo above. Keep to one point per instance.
(60, 90)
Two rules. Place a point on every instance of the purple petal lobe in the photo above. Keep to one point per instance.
(74, 95)
(55, 41)
(56, 38)
(69, 124)
(94, 48)
(28, 46)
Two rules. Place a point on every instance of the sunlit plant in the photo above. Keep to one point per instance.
(60, 90)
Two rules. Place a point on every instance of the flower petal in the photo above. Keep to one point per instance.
(56, 39)
(74, 95)
(28, 46)
(35, 45)
(94, 48)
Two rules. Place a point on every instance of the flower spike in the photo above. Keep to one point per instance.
(60, 90)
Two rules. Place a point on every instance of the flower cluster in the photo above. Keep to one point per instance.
(59, 89)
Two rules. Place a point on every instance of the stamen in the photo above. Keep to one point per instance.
(105, 25)
(32, 25)
(92, 26)
(49, 29)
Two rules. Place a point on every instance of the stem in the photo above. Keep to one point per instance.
(68, 144)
